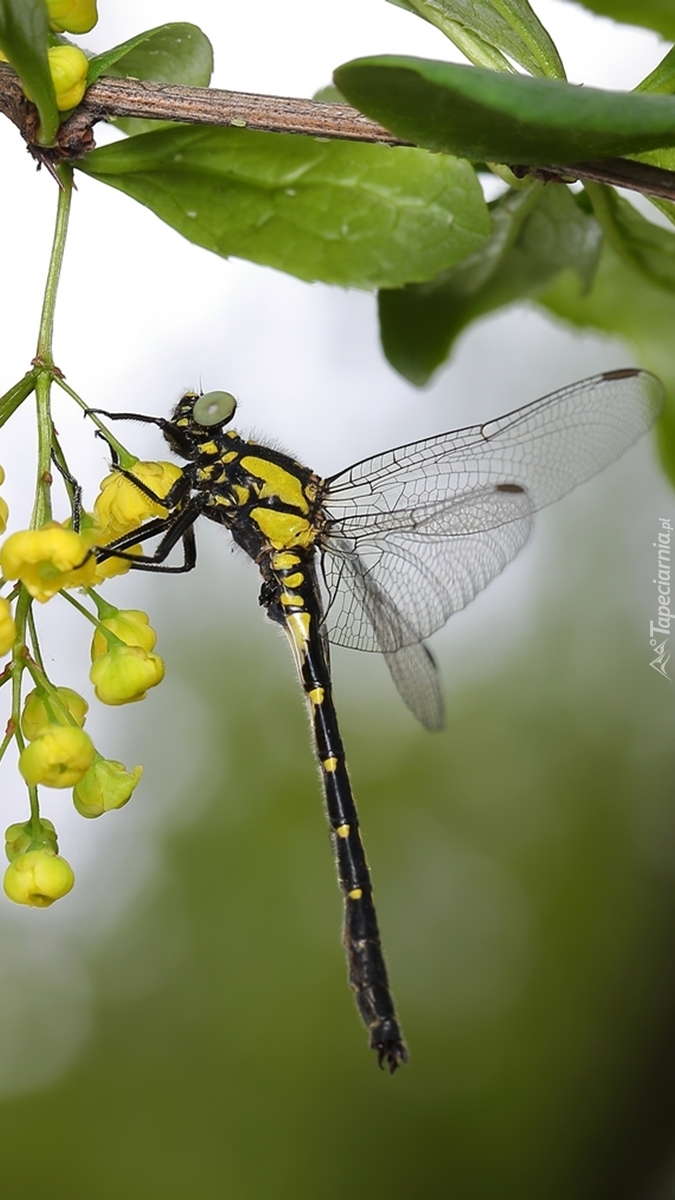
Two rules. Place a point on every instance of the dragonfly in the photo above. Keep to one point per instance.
(377, 558)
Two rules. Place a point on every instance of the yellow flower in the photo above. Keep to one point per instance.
(106, 785)
(59, 757)
(68, 67)
(47, 559)
(72, 16)
(121, 507)
(22, 837)
(131, 626)
(38, 878)
(4, 511)
(125, 673)
(7, 626)
(39, 711)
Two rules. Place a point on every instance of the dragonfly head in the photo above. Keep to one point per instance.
(195, 416)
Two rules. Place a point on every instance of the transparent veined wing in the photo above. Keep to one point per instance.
(414, 533)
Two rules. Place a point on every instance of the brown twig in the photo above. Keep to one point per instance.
(110, 97)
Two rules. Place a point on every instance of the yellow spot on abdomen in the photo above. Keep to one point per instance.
(290, 598)
(281, 562)
(283, 530)
(295, 580)
(276, 482)
(316, 695)
(343, 831)
(298, 626)
(355, 894)
(330, 764)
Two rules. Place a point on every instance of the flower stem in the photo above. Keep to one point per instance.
(44, 360)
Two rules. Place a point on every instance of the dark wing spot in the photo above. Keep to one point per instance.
(509, 487)
(620, 373)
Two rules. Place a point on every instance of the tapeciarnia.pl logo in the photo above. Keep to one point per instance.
(662, 624)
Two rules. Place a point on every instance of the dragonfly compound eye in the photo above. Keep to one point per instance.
(214, 408)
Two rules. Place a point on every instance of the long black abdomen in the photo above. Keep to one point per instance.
(291, 598)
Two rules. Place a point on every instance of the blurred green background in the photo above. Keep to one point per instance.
(523, 863)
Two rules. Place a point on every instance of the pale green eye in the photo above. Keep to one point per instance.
(214, 408)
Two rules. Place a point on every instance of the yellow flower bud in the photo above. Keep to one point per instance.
(121, 507)
(68, 67)
(21, 837)
(95, 536)
(125, 673)
(39, 711)
(4, 515)
(72, 16)
(106, 785)
(131, 626)
(58, 757)
(7, 626)
(38, 878)
(47, 559)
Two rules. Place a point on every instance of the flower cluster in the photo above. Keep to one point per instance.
(55, 751)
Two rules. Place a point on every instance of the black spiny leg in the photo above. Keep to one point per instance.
(176, 527)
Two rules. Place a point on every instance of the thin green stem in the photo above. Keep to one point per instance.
(80, 608)
(42, 508)
(35, 822)
(126, 459)
(35, 644)
(111, 638)
(45, 336)
(44, 359)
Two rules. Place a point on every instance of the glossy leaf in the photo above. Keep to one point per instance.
(537, 233)
(172, 53)
(662, 78)
(355, 215)
(488, 31)
(24, 29)
(486, 116)
(654, 14)
(646, 247)
(623, 302)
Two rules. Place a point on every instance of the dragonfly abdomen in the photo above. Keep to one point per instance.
(291, 597)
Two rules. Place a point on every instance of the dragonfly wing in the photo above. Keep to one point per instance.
(383, 627)
(413, 534)
(414, 671)
(547, 447)
(395, 580)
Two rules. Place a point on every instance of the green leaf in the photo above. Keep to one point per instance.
(537, 233)
(24, 30)
(644, 246)
(662, 78)
(490, 117)
(625, 303)
(345, 213)
(487, 31)
(173, 53)
(653, 14)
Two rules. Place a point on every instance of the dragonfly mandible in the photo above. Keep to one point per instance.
(377, 558)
